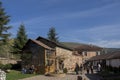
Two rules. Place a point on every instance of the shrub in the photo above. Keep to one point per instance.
(119, 68)
(115, 70)
(7, 66)
(1, 66)
(65, 70)
(109, 68)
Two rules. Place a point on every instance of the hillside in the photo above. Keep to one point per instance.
(75, 44)
(110, 50)
(72, 44)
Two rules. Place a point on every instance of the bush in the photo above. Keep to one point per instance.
(7, 66)
(115, 70)
(65, 70)
(1, 66)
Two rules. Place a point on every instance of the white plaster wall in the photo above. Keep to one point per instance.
(113, 62)
(107, 62)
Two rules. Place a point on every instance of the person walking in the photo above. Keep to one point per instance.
(76, 68)
(91, 68)
(81, 69)
(88, 69)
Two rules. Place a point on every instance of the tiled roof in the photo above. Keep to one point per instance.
(41, 44)
(113, 55)
(88, 48)
(100, 57)
(36, 42)
(55, 43)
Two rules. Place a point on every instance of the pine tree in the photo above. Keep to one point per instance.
(4, 19)
(52, 35)
(21, 39)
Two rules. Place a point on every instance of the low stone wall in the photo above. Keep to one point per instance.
(7, 61)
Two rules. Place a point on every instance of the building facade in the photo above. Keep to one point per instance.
(47, 56)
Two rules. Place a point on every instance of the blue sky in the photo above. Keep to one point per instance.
(86, 21)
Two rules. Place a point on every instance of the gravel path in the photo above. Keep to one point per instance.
(42, 77)
(66, 77)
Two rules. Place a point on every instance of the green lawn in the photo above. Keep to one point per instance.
(15, 75)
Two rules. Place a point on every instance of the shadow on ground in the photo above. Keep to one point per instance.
(93, 77)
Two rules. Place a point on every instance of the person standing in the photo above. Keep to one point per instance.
(91, 68)
(99, 67)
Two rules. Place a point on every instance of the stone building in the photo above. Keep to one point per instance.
(48, 56)
(110, 59)
(88, 51)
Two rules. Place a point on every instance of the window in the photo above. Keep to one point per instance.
(49, 62)
(48, 52)
(85, 53)
(98, 53)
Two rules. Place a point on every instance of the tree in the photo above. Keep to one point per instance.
(20, 39)
(4, 19)
(4, 34)
(52, 35)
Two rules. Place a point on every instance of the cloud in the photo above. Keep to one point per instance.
(92, 12)
(105, 35)
(104, 31)
(108, 43)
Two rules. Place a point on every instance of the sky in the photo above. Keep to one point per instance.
(94, 22)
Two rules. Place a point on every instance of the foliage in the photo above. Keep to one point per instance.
(65, 70)
(20, 40)
(1, 66)
(5, 67)
(4, 34)
(16, 75)
(4, 19)
(5, 50)
(52, 35)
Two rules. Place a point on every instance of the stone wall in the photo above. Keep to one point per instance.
(69, 59)
(88, 54)
(61, 51)
(8, 61)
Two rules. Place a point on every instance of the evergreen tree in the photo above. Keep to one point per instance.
(4, 34)
(52, 35)
(4, 19)
(21, 39)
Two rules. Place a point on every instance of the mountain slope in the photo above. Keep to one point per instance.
(72, 44)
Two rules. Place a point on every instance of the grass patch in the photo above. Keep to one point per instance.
(15, 75)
